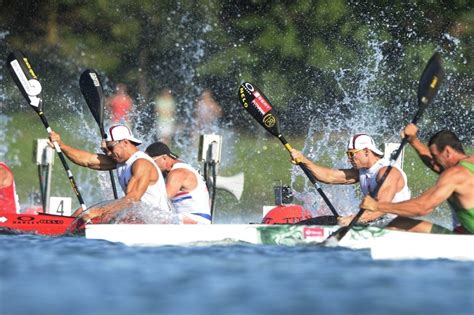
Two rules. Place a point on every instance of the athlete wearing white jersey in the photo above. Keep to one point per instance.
(155, 195)
(368, 180)
(138, 175)
(367, 169)
(368, 183)
(184, 185)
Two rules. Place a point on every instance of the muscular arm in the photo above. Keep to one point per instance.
(179, 180)
(91, 160)
(144, 174)
(83, 158)
(426, 202)
(327, 175)
(425, 155)
(421, 149)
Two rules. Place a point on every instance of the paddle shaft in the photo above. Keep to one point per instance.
(255, 102)
(63, 161)
(311, 178)
(111, 173)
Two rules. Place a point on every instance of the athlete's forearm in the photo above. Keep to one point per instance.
(77, 156)
(87, 159)
(424, 153)
(410, 208)
(322, 174)
(328, 175)
(370, 216)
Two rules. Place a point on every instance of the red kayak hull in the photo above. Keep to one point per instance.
(39, 223)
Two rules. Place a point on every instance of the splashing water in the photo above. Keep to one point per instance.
(138, 213)
(328, 132)
(371, 101)
(359, 100)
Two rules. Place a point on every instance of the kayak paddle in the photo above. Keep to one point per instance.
(255, 102)
(27, 81)
(93, 93)
(428, 87)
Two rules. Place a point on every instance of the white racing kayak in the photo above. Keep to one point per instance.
(405, 245)
(383, 243)
(276, 234)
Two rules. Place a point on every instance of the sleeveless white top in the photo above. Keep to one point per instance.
(195, 201)
(368, 183)
(155, 195)
(368, 180)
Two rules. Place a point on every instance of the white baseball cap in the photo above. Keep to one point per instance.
(363, 141)
(121, 132)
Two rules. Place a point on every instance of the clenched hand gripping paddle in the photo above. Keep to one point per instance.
(27, 81)
(427, 89)
(93, 93)
(253, 100)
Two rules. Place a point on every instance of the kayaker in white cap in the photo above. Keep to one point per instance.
(139, 177)
(368, 166)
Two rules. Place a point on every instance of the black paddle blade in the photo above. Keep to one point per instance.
(430, 81)
(25, 78)
(91, 89)
(255, 102)
(93, 93)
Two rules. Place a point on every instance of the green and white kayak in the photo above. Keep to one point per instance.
(383, 243)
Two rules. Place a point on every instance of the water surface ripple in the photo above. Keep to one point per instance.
(58, 276)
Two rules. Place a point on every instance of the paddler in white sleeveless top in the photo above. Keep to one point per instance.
(185, 187)
(444, 154)
(368, 166)
(141, 180)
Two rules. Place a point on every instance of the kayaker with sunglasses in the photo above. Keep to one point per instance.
(368, 166)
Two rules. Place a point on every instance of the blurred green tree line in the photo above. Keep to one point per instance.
(292, 49)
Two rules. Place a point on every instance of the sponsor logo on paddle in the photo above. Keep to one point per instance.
(94, 78)
(434, 82)
(243, 99)
(261, 103)
(32, 87)
(269, 120)
(249, 87)
(30, 69)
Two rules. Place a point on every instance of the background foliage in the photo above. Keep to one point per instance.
(288, 47)
(329, 68)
